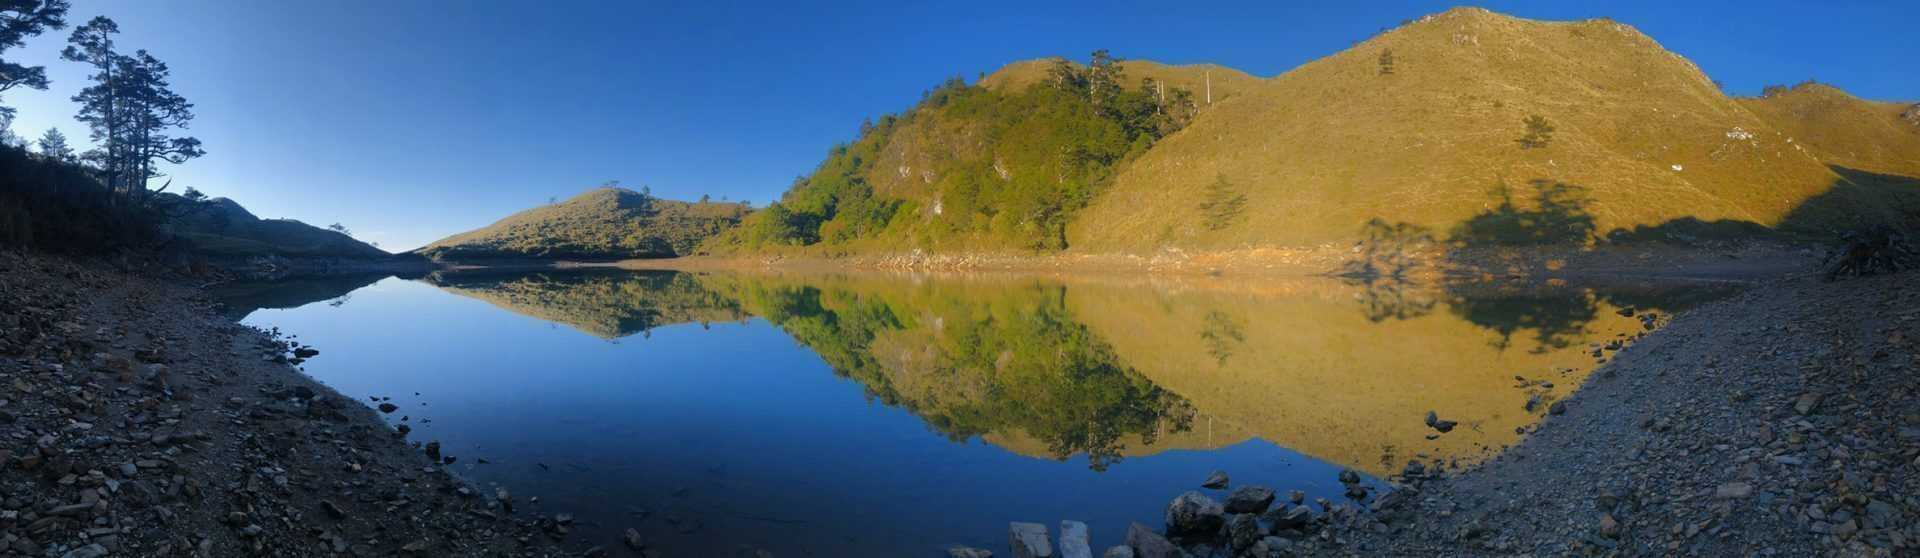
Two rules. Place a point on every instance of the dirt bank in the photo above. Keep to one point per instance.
(134, 421)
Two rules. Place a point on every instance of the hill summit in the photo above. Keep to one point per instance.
(1466, 126)
(605, 223)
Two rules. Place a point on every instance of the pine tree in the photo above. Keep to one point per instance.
(1223, 203)
(53, 145)
(1539, 133)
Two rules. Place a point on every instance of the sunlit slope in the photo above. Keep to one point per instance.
(604, 305)
(1845, 130)
(1307, 369)
(1327, 146)
(599, 224)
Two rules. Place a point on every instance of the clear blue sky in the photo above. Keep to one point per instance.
(411, 120)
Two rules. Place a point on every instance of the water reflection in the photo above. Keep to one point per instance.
(1105, 369)
(1096, 397)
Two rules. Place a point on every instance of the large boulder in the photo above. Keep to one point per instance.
(1074, 541)
(1029, 540)
(1242, 531)
(1290, 518)
(1148, 544)
(1249, 499)
(1194, 513)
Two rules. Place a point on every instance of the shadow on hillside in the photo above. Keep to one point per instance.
(1557, 215)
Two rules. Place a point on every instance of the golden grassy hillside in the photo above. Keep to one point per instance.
(1844, 130)
(1641, 137)
(602, 223)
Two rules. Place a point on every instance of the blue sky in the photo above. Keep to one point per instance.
(411, 120)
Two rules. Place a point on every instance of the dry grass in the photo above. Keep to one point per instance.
(1325, 147)
(600, 224)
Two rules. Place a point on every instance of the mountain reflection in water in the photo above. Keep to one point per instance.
(1181, 374)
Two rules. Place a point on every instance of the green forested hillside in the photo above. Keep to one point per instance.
(977, 167)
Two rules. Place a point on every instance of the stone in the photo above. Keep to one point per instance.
(1271, 547)
(1434, 421)
(1242, 531)
(1249, 499)
(1609, 528)
(1215, 480)
(1194, 513)
(1807, 403)
(1029, 540)
(88, 551)
(1290, 518)
(1415, 469)
(1118, 552)
(1349, 476)
(1733, 490)
(957, 552)
(1297, 497)
(1074, 541)
(1148, 544)
(1557, 408)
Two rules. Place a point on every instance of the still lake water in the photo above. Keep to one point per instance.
(897, 415)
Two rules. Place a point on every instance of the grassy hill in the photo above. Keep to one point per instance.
(600, 224)
(1470, 126)
(221, 227)
(1427, 124)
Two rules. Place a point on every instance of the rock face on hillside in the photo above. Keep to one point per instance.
(601, 224)
(221, 228)
(1427, 124)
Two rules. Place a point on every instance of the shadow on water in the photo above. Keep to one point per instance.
(242, 298)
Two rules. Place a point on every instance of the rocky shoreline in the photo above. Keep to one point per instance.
(1782, 422)
(135, 421)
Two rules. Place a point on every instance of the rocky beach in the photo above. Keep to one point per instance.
(138, 422)
(1782, 422)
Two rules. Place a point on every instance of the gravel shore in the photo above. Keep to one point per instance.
(134, 421)
(1784, 421)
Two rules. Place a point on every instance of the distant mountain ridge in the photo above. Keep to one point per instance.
(221, 227)
(600, 224)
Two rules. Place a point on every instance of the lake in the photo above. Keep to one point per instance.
(877, 414)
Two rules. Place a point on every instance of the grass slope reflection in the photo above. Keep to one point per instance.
(737, 421)
(1109, 369)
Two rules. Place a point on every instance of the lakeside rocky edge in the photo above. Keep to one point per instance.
(135, 421)
(1782, 422)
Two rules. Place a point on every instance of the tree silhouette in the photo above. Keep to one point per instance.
(20, 20)
(53, 145)
(130, 109)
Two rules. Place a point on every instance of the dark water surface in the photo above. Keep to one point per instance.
(896, 415)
